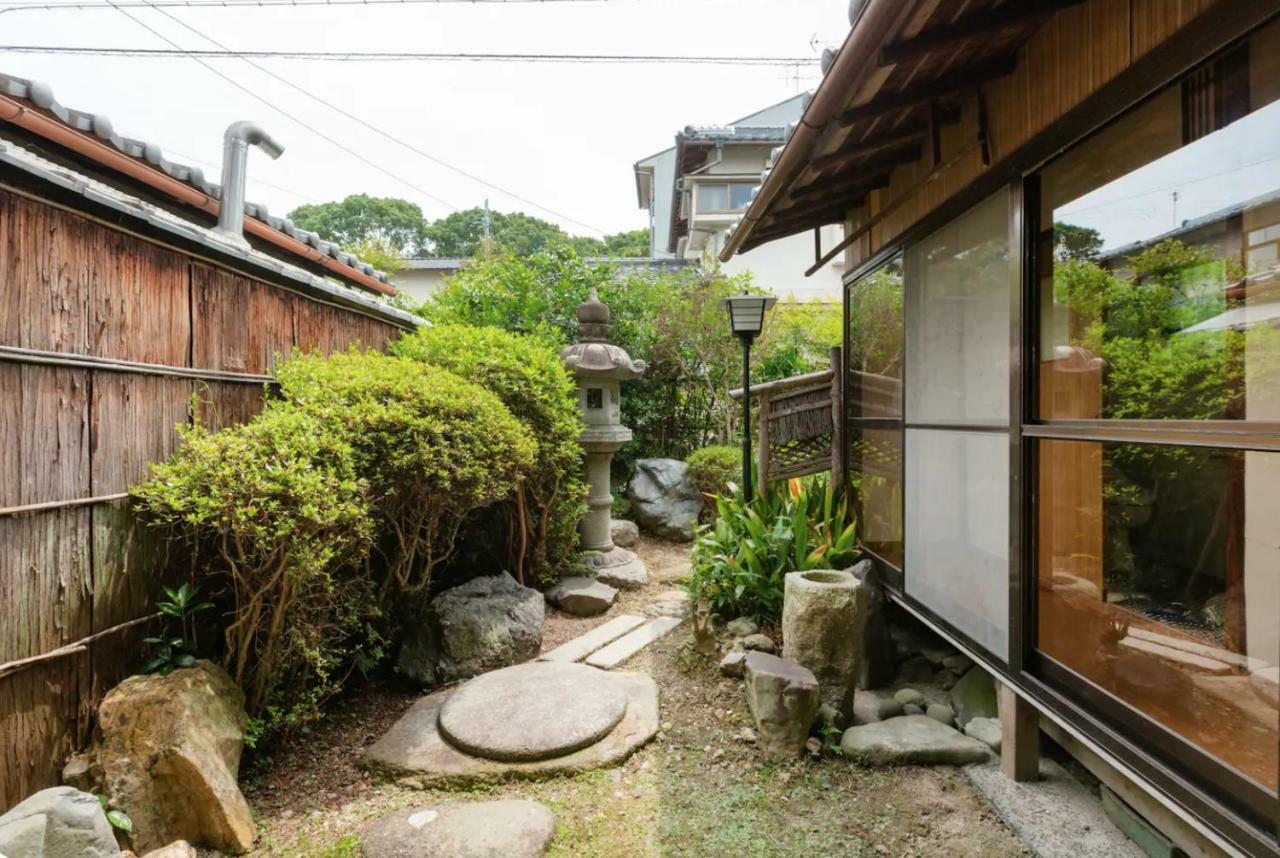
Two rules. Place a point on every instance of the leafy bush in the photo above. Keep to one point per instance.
(739, 563)
(273, 512)
(713, 468)
(432, 447)
(525, 372)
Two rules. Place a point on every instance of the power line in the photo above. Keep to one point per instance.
(250, 4)
(381, 132)
(412, 56)
(353, 153)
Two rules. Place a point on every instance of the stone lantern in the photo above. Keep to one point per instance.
(599, 369)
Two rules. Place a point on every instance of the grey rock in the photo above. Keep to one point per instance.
(759, 642)
(909, 695)
(985, 730)
(912, 709)
(482, 625)
(734, 664)
(890, 707)
(828, 716)
(511, 828)
(783, 698)
(624, 533)
(664, 500)
(946, 680)
(582, 596)
(619, 568)
(866, 708)
(974, 696)
(176, 849)
(911, 740)
(60, 822)
(670, 603)
(741, 627)
(941, 713)
(957, 663)
(916, 670)
(878, 663)
(936, 653)
(823, 612)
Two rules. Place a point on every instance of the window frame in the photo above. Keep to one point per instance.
(727, 184)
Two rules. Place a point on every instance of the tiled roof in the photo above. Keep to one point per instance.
(736, 133)
(13, 155)
(41, 95)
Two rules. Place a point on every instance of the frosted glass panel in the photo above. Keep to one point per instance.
(957, 296)
(957, 540)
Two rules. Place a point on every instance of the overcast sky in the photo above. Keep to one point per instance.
(564, 136)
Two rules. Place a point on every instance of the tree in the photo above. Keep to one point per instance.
(461, 234)
(1075, 242)
(632, 243)
(362, 220)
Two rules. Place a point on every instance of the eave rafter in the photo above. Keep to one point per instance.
(978, 26)
(957, 81)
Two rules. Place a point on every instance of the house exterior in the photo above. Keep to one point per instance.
(695, 190)
(124, 312)
(420, 278)
(1066, 459)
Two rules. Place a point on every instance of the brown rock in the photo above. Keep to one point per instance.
(167, 752)
(176, 849)
(783, 698)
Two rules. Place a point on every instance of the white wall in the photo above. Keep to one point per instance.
(419, 283)
(779, 266)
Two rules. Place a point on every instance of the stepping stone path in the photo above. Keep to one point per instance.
(670, 603)
(480, 829)
(912, 740)
(582, 596)
(530, 720)
(583, 645)
(631, 643)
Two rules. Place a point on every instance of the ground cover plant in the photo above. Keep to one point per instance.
(739, 562)
(540, 517)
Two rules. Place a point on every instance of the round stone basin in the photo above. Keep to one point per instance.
(535, 711)
(828, 576)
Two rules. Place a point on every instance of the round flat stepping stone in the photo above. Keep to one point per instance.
(481, 829)
(534, 711)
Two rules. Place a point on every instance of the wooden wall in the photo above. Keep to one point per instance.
(73, 438)
(1077, 51)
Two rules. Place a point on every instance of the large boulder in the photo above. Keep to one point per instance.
(783, 699)
(911, 740)
(664, 500)
(166, 751)
(511, 828)
(57, 823)
(482, 625)
(823, 612)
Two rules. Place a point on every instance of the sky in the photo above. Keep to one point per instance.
(562, 135)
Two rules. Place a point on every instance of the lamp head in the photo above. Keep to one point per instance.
(746, 314)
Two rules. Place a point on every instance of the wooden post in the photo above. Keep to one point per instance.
(837, 419)
(762, 453)
(1020, 736)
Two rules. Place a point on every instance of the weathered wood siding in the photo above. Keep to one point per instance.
(1077, 51)
(71, 285)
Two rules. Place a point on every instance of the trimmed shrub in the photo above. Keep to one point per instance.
(432, 447)
(713, 468)
(275, 516)
(525, 372)
(740, 562)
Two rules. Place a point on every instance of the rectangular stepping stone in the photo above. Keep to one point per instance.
(625, 647)
(583, 645)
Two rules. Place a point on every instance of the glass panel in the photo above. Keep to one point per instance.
(957, 551)
(875, 344)
(1159, 581)
(876, 468)
(958, 291)
(1161, 294)
(713, 198)
(740, 196)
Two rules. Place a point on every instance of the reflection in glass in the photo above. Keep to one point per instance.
(1159, 581)
(1161, 253)
(876, 469)
(958, 284)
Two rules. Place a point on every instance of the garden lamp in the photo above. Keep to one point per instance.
(746, 320)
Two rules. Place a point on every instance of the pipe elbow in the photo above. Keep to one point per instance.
(253, 134)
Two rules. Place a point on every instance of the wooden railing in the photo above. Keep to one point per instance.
(800, 425)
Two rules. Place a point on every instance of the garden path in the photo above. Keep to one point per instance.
(697, 789)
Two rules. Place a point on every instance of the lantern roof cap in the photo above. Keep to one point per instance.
(593, 356)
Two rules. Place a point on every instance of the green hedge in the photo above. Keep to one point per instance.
(713, 468)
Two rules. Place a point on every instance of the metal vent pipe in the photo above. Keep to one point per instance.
(236, 141)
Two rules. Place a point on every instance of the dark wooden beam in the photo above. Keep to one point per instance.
(871, 167)
(843, 191)
(800, 218)
(980, 25)
(856, 149)
(954, 82)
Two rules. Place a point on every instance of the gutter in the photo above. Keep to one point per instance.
(56, 132)
(873, 25)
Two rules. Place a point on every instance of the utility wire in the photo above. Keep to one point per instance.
(249, 4)
(379, 131)
(413, 56)
(353, 153)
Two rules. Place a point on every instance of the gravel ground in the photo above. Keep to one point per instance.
(696, 790)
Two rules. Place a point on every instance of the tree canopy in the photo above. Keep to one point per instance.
(361, 219)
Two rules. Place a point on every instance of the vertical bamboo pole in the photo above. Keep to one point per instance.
(762, 454)
(837, 419)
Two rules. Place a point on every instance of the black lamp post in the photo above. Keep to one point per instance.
(746, 319)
